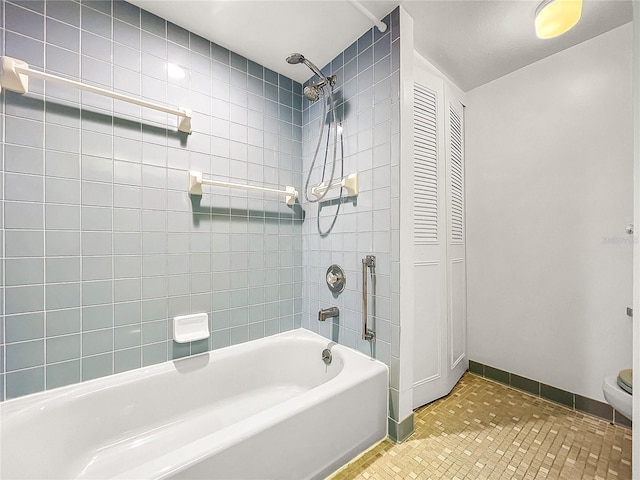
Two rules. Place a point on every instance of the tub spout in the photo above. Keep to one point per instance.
(328, 313)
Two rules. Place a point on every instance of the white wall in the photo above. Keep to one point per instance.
(636, 254)
(549, 153)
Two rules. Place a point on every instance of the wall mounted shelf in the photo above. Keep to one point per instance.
(196, 181)
(14, 76)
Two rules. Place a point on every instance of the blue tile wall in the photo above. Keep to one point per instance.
(102, 244)
(367, 98)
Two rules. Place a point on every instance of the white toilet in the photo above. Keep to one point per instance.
(618, 390)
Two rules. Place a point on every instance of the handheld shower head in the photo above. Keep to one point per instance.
(312, 92)
(295, 58)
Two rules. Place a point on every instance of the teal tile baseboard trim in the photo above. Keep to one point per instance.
(557, 395)
(400, 431)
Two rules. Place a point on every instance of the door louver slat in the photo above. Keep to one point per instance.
(456, 177)
(425, 185)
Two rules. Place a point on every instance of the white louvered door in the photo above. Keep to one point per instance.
(429, 230)
(456, 261)
(438, 227)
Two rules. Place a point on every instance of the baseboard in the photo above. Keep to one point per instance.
(557, 395)
(399, 432)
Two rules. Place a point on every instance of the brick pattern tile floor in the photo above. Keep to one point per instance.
(485, 430)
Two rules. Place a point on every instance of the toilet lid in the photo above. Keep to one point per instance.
(625, 380)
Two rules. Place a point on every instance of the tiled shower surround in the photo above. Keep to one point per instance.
(102, 244)
(367, 95)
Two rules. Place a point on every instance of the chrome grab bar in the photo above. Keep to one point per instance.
(369, 262)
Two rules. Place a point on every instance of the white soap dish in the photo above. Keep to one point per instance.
(189, 328)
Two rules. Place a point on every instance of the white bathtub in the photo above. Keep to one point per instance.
(265, 409)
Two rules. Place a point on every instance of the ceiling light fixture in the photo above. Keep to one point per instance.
(555, 17)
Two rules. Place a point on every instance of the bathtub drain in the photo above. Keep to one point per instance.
(326, 356)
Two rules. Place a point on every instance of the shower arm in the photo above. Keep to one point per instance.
(331, 81)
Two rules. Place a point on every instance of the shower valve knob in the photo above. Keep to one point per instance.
(336, 278)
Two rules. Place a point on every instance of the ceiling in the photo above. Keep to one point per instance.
(471, 41)
(475, 42)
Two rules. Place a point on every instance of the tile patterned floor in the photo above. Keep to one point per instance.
(485, 430)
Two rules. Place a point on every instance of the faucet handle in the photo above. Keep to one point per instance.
(336, 279)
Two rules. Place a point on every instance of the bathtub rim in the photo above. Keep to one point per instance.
(129, 376)
(186, 456)
(216, 442)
